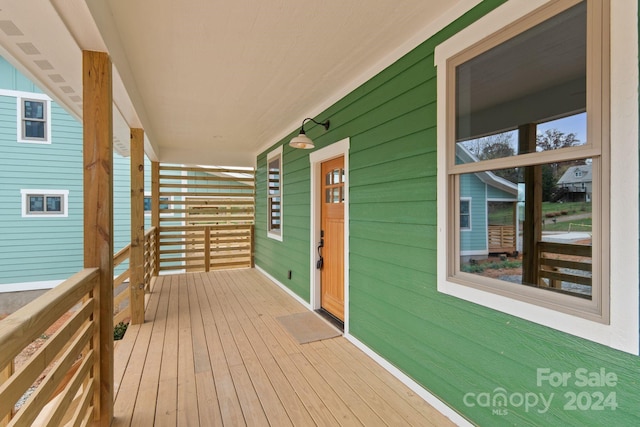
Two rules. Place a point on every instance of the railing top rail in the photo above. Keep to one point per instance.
(29, 322)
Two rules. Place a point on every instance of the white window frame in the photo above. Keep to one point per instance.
(20, 119)
(25, 193)
(620, 240)
(468, 200)
(273, 233)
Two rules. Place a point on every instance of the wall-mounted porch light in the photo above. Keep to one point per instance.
(302, 140)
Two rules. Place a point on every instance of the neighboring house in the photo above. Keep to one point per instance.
(576, 183)
(477, 343)
(41, 193)
(480, 192)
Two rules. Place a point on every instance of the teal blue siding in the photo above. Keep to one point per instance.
(48, 249)
(475, 239)
(496, 193)
(449, 346)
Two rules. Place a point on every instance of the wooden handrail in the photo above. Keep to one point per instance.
(121, 256)
(550, 267)
(18, 331)
(23, 326)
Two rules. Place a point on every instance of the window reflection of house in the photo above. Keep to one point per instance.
(576, 184)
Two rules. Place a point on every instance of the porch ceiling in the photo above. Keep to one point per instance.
(215, 82)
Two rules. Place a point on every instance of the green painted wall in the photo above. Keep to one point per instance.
(449, 346)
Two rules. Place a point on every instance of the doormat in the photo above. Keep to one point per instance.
(308, 327)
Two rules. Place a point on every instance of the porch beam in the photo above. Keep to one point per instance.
(98, 216)
(136, 254)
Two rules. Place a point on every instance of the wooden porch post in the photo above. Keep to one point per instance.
(532, 228)
(136, 255)
(98, 216)
(155, 209)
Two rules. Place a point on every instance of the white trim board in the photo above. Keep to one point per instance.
(284, 288)
(29, 286)
(622, 331)
(337, 149)
(431, 399)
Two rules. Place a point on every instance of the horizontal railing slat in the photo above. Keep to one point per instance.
(29, 322)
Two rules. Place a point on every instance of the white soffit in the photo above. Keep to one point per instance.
(213, 82)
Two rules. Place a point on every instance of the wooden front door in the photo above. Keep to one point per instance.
(332, 223)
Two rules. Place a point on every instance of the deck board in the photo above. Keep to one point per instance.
(212, 353)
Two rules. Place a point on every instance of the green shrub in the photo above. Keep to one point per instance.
(119, 330)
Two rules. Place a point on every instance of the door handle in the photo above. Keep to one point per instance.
(320, 262)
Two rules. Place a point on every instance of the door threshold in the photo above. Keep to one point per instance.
(331, 318)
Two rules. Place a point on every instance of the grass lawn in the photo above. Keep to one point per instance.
(572, 225)
(502, 213)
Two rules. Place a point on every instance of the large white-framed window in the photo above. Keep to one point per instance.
(542, 69)
(34, 118)
(274, 194)
(44, 203)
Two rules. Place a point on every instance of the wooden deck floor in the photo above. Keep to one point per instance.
(211, 353)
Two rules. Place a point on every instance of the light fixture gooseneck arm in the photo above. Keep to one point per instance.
(324, 124)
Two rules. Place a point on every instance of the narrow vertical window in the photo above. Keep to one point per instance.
(465, 214)
(34, 114)
(274, 194)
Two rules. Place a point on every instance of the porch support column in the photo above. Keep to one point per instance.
(98, 215)
(532, 227)
(155, 209)
(136, 254)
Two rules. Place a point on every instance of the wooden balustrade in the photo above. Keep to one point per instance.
(205, 217)
(563, 262)
(66, 391)
(502, 238)
(121, 299)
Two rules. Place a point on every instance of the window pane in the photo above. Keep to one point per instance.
(465, 215)
(554, 253)
(34, 110)
(33, 129)
(534, 77)
(147, 203)
(569, 131)
(54, 204)
(36, 203)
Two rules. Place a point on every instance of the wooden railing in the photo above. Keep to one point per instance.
(205, 217)
(502, 238)
(121, 298)
(205, 248)
(563, 262)
(66, 363)
(121, 306)
(150, 250)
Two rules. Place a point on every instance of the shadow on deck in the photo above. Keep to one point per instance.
(212, 353)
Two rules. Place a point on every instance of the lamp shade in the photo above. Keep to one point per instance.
(302, 141)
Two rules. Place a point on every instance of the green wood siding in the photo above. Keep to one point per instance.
(449, 346)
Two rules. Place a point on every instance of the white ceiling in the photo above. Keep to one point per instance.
(212, 81)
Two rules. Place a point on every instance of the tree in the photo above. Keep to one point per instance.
(552, 139)
(497, 147)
